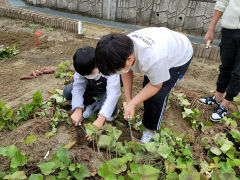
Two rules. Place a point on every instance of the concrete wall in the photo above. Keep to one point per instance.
(72, 26)
(190, 16)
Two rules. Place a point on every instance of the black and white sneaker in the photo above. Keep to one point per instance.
(219, 113)
(209, 100)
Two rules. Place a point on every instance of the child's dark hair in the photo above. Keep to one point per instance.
(84, 60)
(112, 52)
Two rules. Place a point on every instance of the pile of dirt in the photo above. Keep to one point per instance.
(24, 40)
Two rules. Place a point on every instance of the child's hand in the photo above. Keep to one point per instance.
(99, 121)
(129, 110)
(77, 116)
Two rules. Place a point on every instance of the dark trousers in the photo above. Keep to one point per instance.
(154, 107)
(229, 77)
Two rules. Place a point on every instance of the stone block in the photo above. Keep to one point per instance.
(62, 4)
(180, 20)
(72, 5)
(84, 7)
(132, 13)
(132, 3)
(171, 22)
(52, 3)
(200, 8)
(163, 17)
(189, 23)
(199, 22)
(182, 6)
(163, 6)
(173, 5)
(209, 10)
(42, 2)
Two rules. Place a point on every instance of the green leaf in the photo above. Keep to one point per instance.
(9, 151)
(29, 139)
(104, 141)
(216, 151)
(50, 178)
(151, 146)
(231, 152)
(49, 134)
(164, 150)
(47, 168)
(118, 165)
(105, 172)
(59, 99)
(120, 178)
(114, 133)
(62, 154)
(172, 176)
(36, 177)
(236, 114)
(82, 173)
(8, 114)
(37, 98)
(144, 172)
(90, 129)
(209, 124)
(196, 112)
(18, 159)
(186, 175)
(17, 175)
(63, 174)
(156, 137)
(237, 162)
(204, 167)
(72, 167)
(226, 147)
(235, 134)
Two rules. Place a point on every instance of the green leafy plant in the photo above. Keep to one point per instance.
(63, 70)
(26, 111)
(8, 52)
(29, 139)
(33, 26)
(60, 164)
(10, 118)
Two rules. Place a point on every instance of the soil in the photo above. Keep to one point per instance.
(55, 46)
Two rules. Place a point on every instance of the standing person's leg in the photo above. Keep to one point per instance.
(230, 68)
(228, 53)
(155, 106)
(234, 85)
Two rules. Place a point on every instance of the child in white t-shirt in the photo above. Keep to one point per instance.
(162, 55)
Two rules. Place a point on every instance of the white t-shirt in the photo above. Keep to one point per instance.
(157, 50)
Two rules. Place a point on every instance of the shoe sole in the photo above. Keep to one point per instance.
(214, 120)
(206, 104)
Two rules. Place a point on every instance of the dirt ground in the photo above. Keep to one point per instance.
(56, 46)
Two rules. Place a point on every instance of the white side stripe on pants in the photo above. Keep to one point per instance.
(164, 104)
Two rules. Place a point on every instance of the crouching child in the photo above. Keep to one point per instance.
(88, 84)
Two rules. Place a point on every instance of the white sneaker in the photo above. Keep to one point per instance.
(90, 109)
(147, 136)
